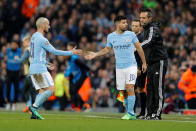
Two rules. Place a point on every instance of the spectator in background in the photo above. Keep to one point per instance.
(187, 84)
(13, 73)
(77, 72)
(2, 81)
(62, 89)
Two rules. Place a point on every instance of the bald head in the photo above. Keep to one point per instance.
(41, 21)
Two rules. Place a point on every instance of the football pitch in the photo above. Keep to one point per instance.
(91, 121)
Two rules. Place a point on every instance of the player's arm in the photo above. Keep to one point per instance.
(141, 54)
(104, 51)
(21, 59)
(92, 55)
(152, 36)
(47, 46)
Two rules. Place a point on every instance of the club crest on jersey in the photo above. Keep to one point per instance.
(128, 40)
(47, 43)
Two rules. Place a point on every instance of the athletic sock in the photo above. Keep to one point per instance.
(29, 101)
(41, 98)
(131, 103)
(126, 103)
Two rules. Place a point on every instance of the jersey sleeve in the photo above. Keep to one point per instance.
(109, 43)
(47, 46)
(134, 38)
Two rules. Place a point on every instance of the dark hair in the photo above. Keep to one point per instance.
(193, 68)
(146, 10)
(136, 20)
(119, 18)
(73, 44)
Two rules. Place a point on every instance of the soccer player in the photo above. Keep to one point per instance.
(28, 90)
(123, 43)
(41, 78)
(141, 79)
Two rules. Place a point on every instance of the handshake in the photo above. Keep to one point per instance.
(88, 55)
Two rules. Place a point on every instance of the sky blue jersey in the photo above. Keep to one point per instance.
(39, 46)
(123, 46)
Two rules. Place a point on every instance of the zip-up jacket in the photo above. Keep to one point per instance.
(153, 41)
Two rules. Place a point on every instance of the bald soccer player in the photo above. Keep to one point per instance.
(40, 76)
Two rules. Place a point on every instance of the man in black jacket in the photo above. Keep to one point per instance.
(157, 64)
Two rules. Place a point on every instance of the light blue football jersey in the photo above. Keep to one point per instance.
(123, 46)
(39, 46)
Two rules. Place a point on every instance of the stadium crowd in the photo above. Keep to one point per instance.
(87, 23)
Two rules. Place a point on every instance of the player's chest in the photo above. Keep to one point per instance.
(121, 43)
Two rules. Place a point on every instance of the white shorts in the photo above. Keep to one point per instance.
(125, 76)
(42, 80)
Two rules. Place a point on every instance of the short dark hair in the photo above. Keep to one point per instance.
(146, 10)
(119, 18)
(136, 20)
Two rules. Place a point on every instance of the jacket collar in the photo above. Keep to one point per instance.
(148, 25)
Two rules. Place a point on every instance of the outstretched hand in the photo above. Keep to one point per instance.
(90, 55)
(76, 51)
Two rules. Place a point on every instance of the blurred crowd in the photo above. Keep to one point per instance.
(87, 23)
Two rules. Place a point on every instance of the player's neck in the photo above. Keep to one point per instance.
(119, 31)
(40, 31)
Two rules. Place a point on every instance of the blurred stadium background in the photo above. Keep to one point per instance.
(87, 23)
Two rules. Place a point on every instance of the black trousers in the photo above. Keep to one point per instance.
(29, 89)
(63, 101)
(12, 77)
(155, 87)
(1, 93)
(192, 103)
(74, 87)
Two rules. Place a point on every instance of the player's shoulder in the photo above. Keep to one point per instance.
(38, 35)
(129, 32)
(111, 34)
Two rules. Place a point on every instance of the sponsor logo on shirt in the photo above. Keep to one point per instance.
(122, 46)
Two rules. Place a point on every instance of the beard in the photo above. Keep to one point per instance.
(46, 30)
(123, 29)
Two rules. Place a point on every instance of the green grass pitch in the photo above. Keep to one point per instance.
(66, 121)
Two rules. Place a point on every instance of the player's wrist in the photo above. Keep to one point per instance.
(96, 54)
